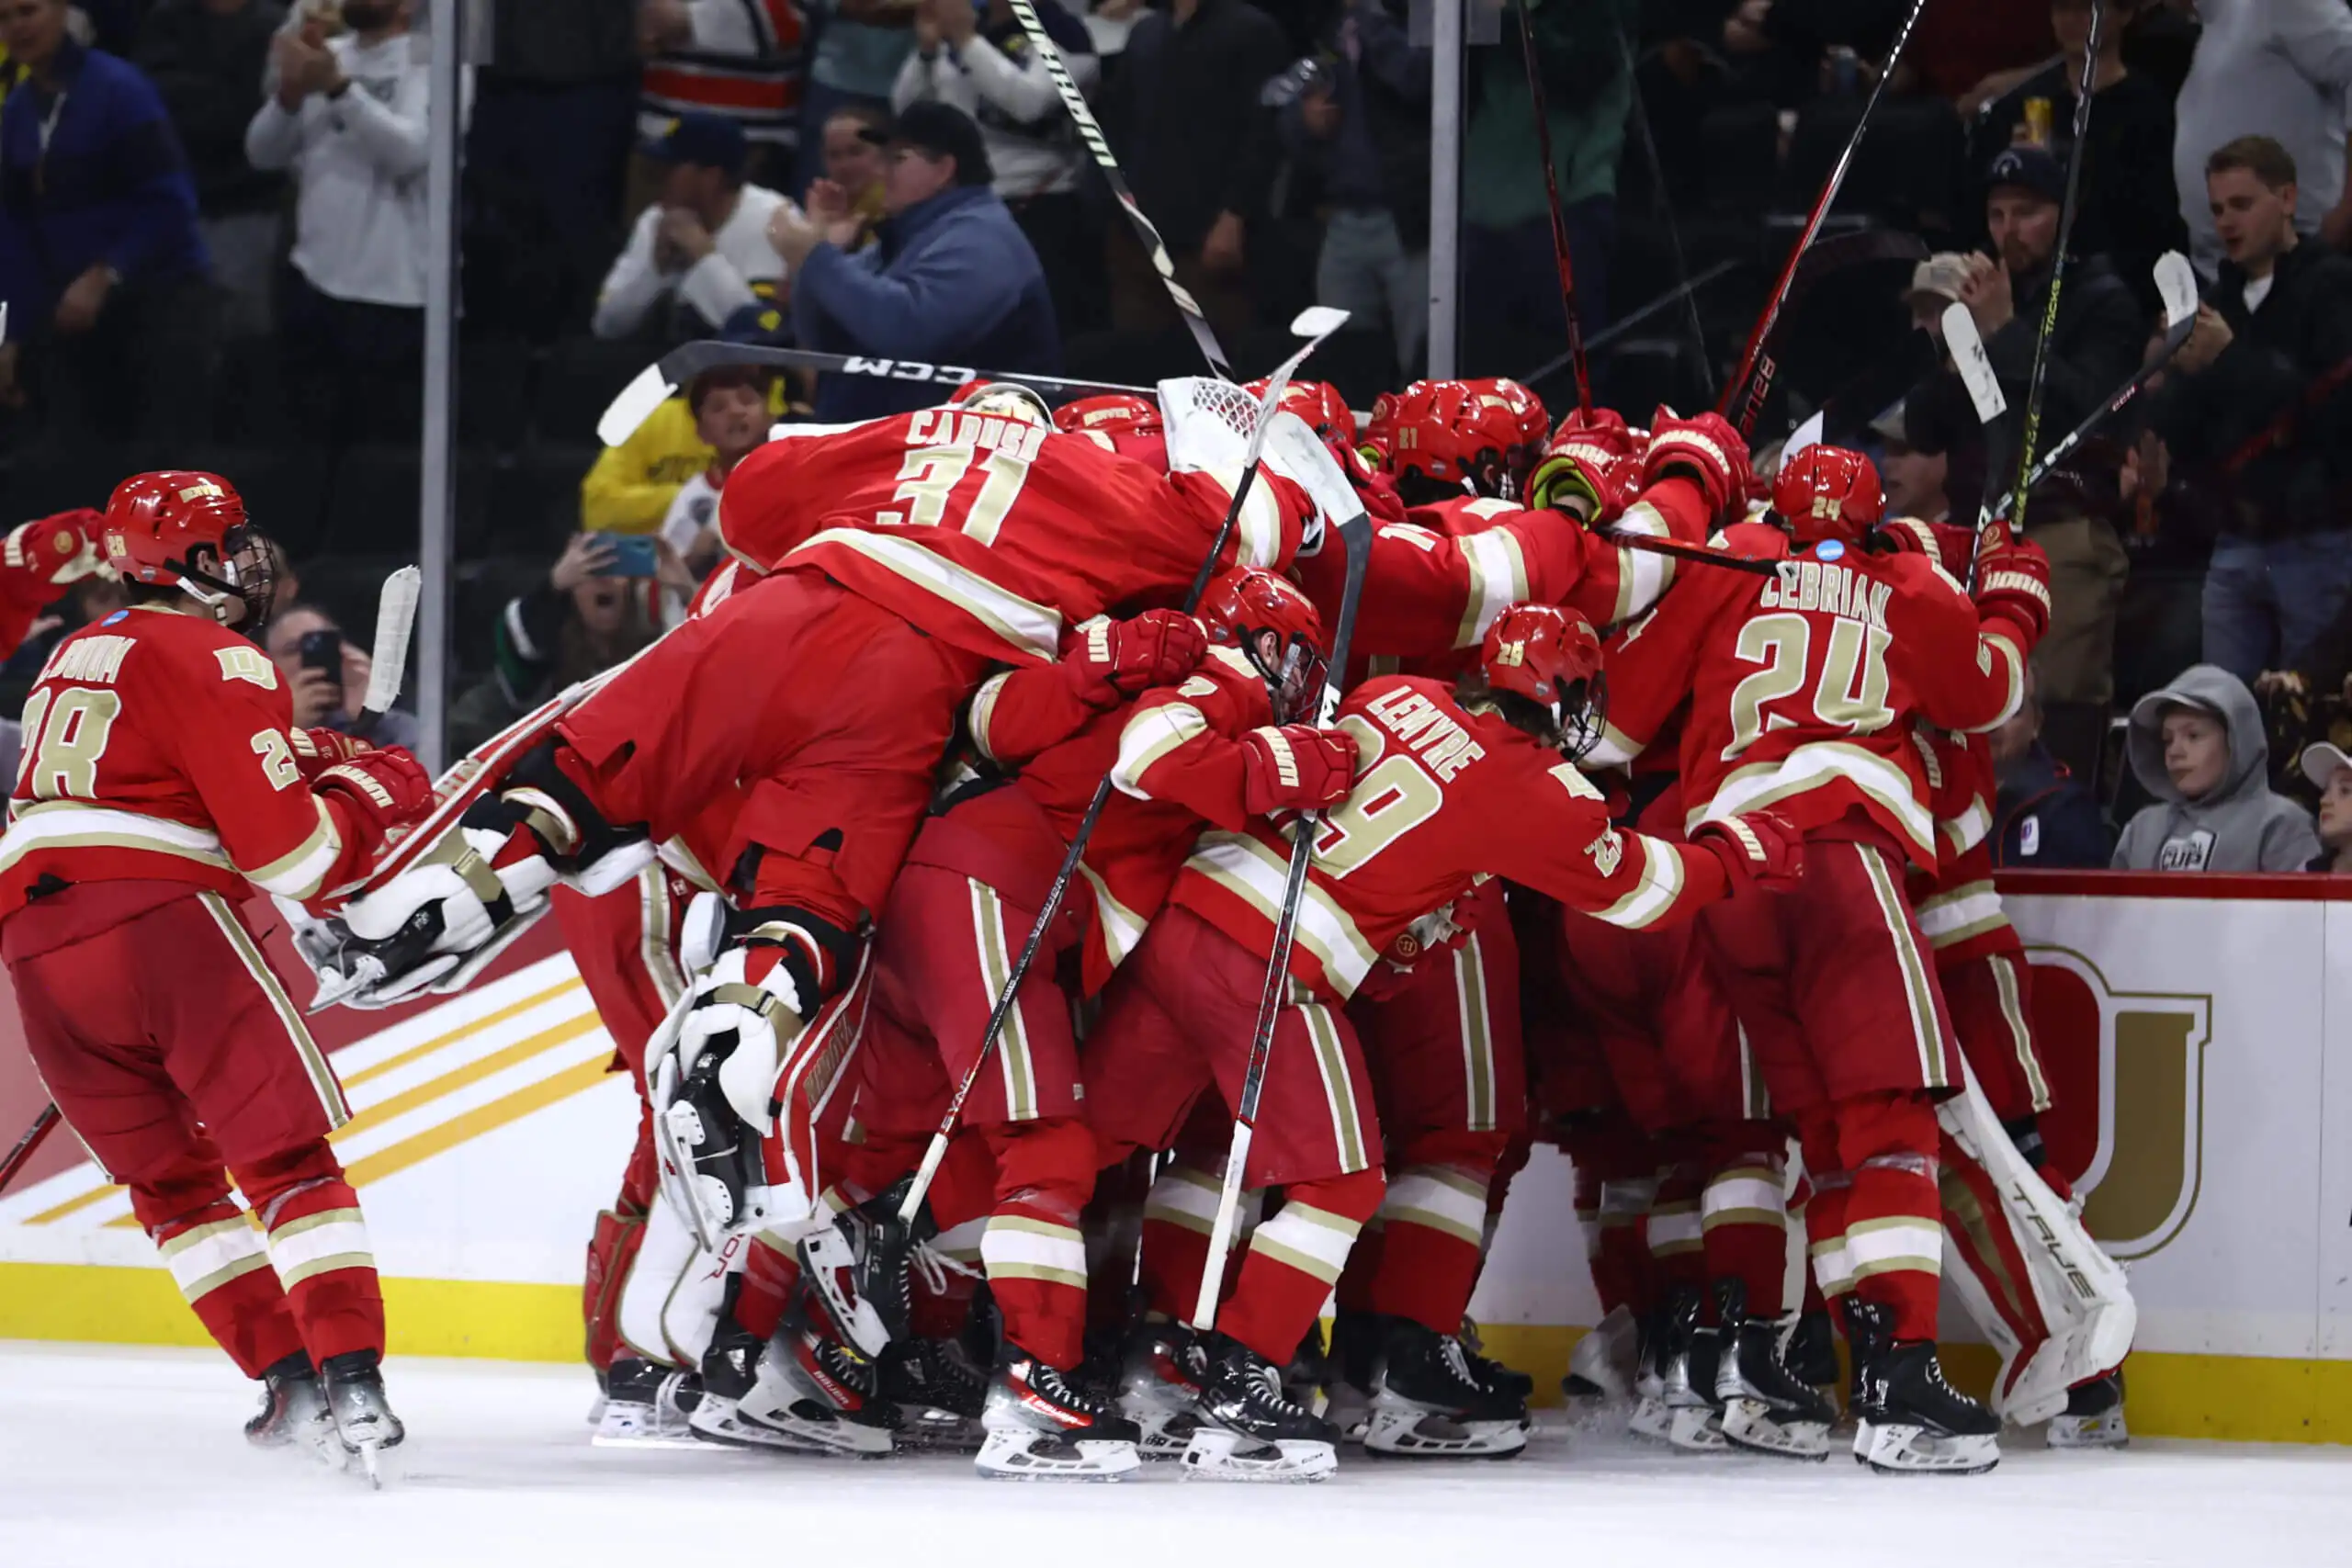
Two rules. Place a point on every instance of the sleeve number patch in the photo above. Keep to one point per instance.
(276, 758)
(65, 734)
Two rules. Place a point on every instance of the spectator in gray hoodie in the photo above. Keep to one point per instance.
(2197, 746)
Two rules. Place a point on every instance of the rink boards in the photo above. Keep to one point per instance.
(2199, 1050)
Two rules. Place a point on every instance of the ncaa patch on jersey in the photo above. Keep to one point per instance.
(1830, 549)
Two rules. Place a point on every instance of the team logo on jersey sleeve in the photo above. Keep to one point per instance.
(247, 664)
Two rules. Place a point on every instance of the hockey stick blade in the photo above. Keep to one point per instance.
(30, 1145)
(657, 382)
(1975, 367)
(1355, 537)
(388, 666)
(2176, 286)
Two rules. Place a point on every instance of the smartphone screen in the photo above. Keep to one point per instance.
(632, 555)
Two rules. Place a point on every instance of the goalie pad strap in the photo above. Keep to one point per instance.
(537, 794)
(475, 873)
(815, 953)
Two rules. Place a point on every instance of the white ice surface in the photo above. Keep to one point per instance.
(134, 1457)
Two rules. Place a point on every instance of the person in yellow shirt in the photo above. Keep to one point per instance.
(631, 486)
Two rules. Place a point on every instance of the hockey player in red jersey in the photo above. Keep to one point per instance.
(161, 783)
(1803, 689)
(1445, 788)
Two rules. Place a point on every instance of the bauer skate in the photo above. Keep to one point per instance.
(354, 1386)
(1250, 1429)
(1159, 1389)
(1432, 1403)
(938, 1395)
(1042, 1426)
(294, 1411)
(2093, 1418)
(1911, 1421)
(1767, 1409)
(646, 1406)
(1605, 1361)
(1693, 1354)
(808, 1395)
(1492, 1375)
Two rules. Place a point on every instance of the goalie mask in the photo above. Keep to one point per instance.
(1828, 493)
(1545, 659)
(1271, 624)
(1003, 400)
(178, 528)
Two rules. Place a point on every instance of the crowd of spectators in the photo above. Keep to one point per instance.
(214, 233)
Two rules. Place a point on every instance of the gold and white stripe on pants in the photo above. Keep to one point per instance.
(1339, 1087)
(1016, 1247)
(1012, 1058)
(1307, 1238)
(319, 1243)
(1919, 979)
(314, 1061)
(1477, 1035)
(208, 1257)
(1438, 1198)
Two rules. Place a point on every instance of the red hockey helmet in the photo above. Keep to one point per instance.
(1379, 437)
(1113, 413)
(1319, 404)
(179, 528)
(1271, 623)
(1550, 657)
(1828, 493)
(1534, 425)
(1450, 437)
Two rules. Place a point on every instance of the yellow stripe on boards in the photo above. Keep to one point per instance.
(475, 1122)
(470, 1027)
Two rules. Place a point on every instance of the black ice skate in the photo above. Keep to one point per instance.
(938, 1394)
(294, 1411)
(1811, 1351)
(2093, 1418)
(1042, 1426)
(646, 1406)
(1251, 1430)
(1692, 1354)
(1767, 1408)
(1357, 1340)
(1492, 1374)
(1432, 1403)
(857, 1268)
(1160, 1388)
(1914, 1423)
(355, 1394)
(808, 1393)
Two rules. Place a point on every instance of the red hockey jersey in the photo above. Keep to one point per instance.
(156, 749)
(989, 533)
(1959, 910)
(1174, 758)
(1441, 795)
(1804, 685)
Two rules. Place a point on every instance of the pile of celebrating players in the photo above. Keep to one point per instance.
(1643, 809)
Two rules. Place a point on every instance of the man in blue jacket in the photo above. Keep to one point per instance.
(952, 281)
(105, 274)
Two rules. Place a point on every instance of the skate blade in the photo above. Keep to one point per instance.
(1165, 1434)
(1914, 1451)
(1696, 1430)
(1425, 1434)
(718, 1421)
(2103, 1431)
(1041, 1456)
(596, 1411)
(796, 1416)
(1215, 1454)
(630, 1425)
(1651, 1419)
(376, 1464)
(931, 1431)
(1748, 1426)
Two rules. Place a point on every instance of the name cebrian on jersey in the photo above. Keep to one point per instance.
(1826, 585)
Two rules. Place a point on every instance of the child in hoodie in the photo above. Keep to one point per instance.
(2197, 746)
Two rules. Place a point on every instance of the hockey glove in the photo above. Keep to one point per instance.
(2013, 582)
(1114, 660)
(1705, 450)
(1295, 767)
(379, 791)
(315, 751)
(1584, 481)
(1757, 849)
(51, 552)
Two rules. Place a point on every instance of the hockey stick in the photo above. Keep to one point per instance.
(30, 1145)
(1559, 220)
(1747, 389)
(1090, 131)
(1355, 535)
(1756, 565)
(1974, 367)
(2177, 285)
(388, 666)
(1315, 324)
(2037, 378)
(660, 380)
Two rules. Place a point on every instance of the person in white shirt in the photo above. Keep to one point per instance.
(349, 115)
(703, 242)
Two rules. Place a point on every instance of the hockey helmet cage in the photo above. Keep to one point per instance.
(1549, 658)
(181, 528)
(1271, 623)
(1828, 493)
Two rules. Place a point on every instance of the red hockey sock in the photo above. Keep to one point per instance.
(318, 1242)
(1035, 1256)
(1744, 1216)
(221, 1265)
(1678, 1256)
(1295, 1258)
(1177, 1219)
(1434, 1224)
(1894, 1235)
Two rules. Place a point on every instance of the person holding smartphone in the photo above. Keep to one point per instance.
(326, 674)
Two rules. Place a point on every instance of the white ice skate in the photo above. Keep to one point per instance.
(646, 1405)
(1041, 1427)
(1160, 1390)
(1431, 1405)
(807, 1398)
